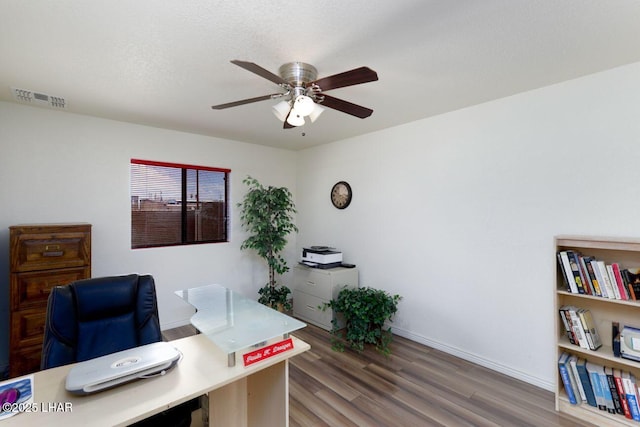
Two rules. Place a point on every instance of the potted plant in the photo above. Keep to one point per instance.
(363, 312)
(267, 214)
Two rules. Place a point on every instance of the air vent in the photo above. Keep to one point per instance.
(39, 99)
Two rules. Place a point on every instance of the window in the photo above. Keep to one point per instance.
(173, 204)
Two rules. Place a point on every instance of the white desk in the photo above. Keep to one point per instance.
(233, 322)
(253, 396)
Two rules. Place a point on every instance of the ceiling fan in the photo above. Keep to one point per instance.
(304, 92)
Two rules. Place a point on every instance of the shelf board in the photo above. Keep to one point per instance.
(593, 415)
(595, 242)
(633, 303)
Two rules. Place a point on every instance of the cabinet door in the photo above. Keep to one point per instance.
(32, 289)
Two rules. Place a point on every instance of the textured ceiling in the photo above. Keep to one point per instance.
(165, 62)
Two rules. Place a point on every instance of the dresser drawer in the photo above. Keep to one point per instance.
(309, 307)
(25, 361)
(27, 327)
(31, 289)
(325, 284)
(314, 283)
(61, 248)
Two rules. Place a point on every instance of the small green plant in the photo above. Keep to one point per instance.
(364, 312)
(267, 214)
(276, 297)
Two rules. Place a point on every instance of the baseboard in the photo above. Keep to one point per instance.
(514, 373)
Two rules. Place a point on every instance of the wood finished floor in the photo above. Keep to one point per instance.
(416, 386)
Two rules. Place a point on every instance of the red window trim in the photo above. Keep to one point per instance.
(178, 165)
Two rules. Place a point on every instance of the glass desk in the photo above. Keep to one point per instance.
(234, 322)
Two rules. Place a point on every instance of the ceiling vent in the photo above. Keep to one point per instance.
(39, 99)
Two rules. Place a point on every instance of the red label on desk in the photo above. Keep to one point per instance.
(267, 352)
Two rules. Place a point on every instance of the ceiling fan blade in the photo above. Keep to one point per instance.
(346, 107)
(256, 69)
(348, 78)
(245, 101)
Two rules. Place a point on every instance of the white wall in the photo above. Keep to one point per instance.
(457, 213)
(61, 167)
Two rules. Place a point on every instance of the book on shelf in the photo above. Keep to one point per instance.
(586, 276)
(615, 339)
(606, 390)
(594, 375)
(598, 273)
(563, 258)
(607, 282)
(631, 277)
(565, 374)
(575, 376)
(574, 263)
(612, 280)
(631, 391)
(566, 321)
(580, 312)
(589, 325)
(592, 276)
(571, 314)
(583, 374)
(617, 274)
(613, 390)
(617, 376)
(580, 327)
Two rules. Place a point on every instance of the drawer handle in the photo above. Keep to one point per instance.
(311, 307)
(310, 283)
(45, 291)
(52, 250)
(56, 253)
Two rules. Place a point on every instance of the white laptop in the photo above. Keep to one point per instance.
(114, 369)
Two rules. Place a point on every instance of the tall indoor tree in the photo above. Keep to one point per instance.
(267, 213)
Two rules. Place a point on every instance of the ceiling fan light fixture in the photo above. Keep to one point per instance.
(303, 91)
(295, 119)
(281, 109)
(303, 105)
(317, 110)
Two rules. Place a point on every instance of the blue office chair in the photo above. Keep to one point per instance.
(93, 317)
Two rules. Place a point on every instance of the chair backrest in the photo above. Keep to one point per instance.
(93, 317)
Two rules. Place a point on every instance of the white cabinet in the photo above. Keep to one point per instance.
(314, 287)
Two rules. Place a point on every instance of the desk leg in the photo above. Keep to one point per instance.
(228, 405)
(258, 400)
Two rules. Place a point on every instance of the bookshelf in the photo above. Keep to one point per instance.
(625, 252)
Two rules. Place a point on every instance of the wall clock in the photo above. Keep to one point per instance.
(341, 195)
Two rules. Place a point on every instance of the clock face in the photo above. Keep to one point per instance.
(341, 195)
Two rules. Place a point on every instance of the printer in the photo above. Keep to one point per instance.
(321, 257)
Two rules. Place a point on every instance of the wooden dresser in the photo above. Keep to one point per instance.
(41, 256)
